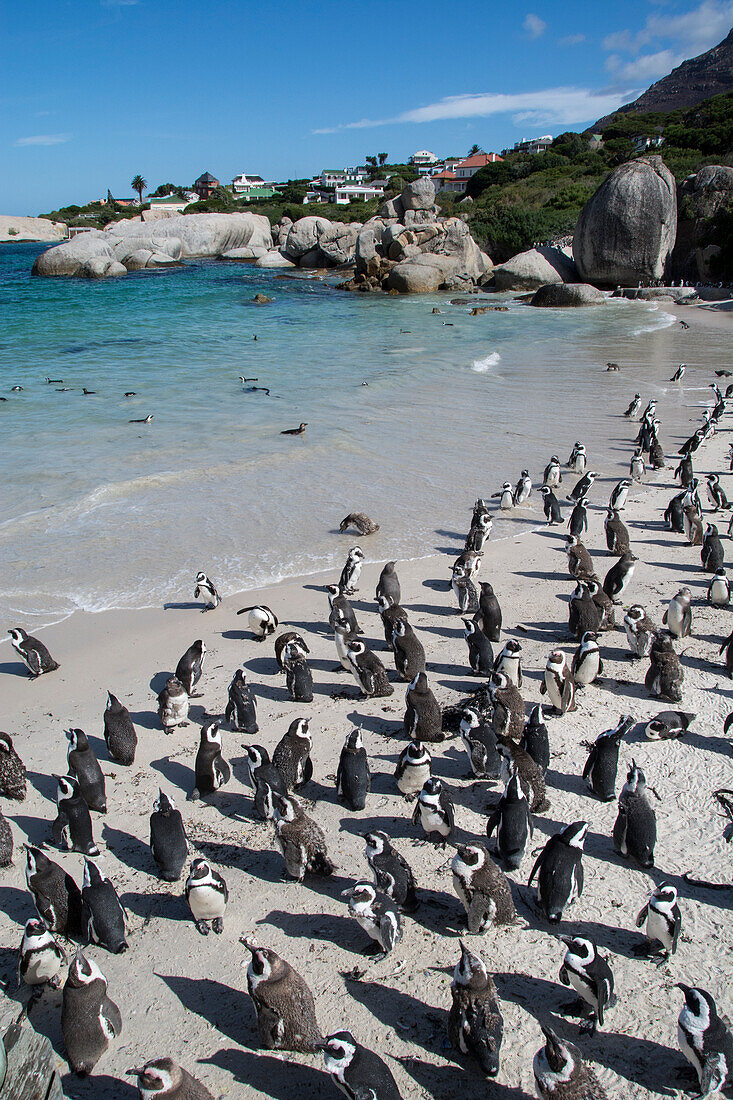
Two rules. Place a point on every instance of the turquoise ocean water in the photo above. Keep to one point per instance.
(97, 513)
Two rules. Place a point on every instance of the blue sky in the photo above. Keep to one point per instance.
(94, 91)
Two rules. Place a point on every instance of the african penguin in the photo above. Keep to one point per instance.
(719, 589)
(168, 841)
(561, 1074)
(601, 767)
(265, 779)
(291, 755)
(211, 769)
(173, 705)
(377, 915)
(102, 913)
(241, 710)
(13, 775)
(512, 821)
(558, 683)
(72, 828)
(635, 828)
(664, 676)
(298, 676)
(560, 867)
(434, 811)
(34, 653)
(284, 1004)
(262, 620)
(634, 407)
(619, 576)
(301, 840)
(587, 665)
(206, 590)
(368, 671)
(40, 957)
(361, 521)
(617, 533)
(423, 717)
(578, 458)
(288, 647)
(89, 1018)
(84, 765)
(482, 888)
(509, 662)
(668, 725)
(663, 920)
(191, 666)
(352, 777)
(640, 631)
(531, 778)
(712, 554)
(582, 487)
(480, 652)
(535, 739)
(349, 579)
(392, 873)
(207, 895)
(489, 612)
(619, 494)
(705, 1040)
(589, 974)
(475, 1022)
(508, 714)
(480, 532)
(357, 1071)
(55, 895)
(164, 1079)
(388, 585)
(678, 616)
(413, 769)
(389, 614)
(716, 495)
(119, 732)
(551, 506)
(409, 654)
(578, 522)
(552, 476)
(480, 743)
(340, 609)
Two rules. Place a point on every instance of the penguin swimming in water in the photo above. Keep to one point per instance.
(55, 895)
(601, 767)
(284, 1004)
(480, 652)
(164, 1079)
(392, 873)
(357, 1071)
(413, 769)
(13, 775)
(360, 521)
(211, 769)
(435, 812)
(512, 822)
(635, 828)
(705, 1040)
(84, 765)
(678, 616)
(663, 921)
(207, 591)
(40, 957)
(668, 725)
(301, 840)
(377, 915)
(168, 840)
(89, 1018)
(349, 579)
(352, 776)
(561, 1074)
(535, 739)
(482, 889)
(207, 895)
(589, 974)
(241, 710)
(102, 913)
(291, 756)
(72, 828)
(119, 732)
(191, 666)
(560, 867)
(37, 659)
(173, 705)
(475, 1023)
(262, 621)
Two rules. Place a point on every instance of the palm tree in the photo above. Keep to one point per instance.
(474, 149)
(139, 184)
(382, 158)
(372, 161)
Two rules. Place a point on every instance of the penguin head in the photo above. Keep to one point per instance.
(432, 787)
(356, 648)
(419, 683)
(17, 634)
(574, 835)
(486, 590)
(201, 871)
(472, 856)
(201, 578)
(416, 753)
(485, 521)
(161, 1075)
(163, 804)
(469, 719)
(470, 971)
(354, 741)
(356, 553)
(83, 971)
(545, 490)
(498, 682)
(583, 949)
(699, 1005)
(635, 780)
(665, 895)
(77, 740)
(264, 963)
(400, 628)
(35, 933)
(333, 590)
(338, 1051)
(511, 649)
(513, 791)
(376, 842)
(36, 861)
(210, 734)
(6, 743)
(299, 728)
(384, 602)
(67, 787)
(361, 894)
(537, 716)
(285, 808)
(556, 660)
(635, 614)
(113, 702)
(558, 1059)
(256, 755)
(589, 639)
(470, 626)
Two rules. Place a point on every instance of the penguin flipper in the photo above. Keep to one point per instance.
(600, 666)
(543, 688)
(338, 779)
(536, 867)
(567, 698)
(493, 822)
(676, 931)
(642, 915)
(713, 1075)
(416, 813)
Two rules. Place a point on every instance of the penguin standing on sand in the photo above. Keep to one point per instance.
(389, 614)
(619, 577)
(164, 1079)
(284, 1004)
(413, 769)
(560, 1073)
(514, 758)
(506, 497)
(663, 921)
(207, 895)
(119, 732)
(716, 495)
(578, 458)
(635, 828)
(392, 873)
(475, 1023)
(464, 590)
(684, 471)
(352, 776)
(508, 716)
(480, 743)
(241, 710)
(298, 675)
(342, 636)
(262, 620)
(551, 506)
(664, 676)
(212, 770)
(423, 717)
(207, 591)
(409, 654)
(341, 610)
(512, 822)
(712, 554)
(435, 812)
(589, 974)
(72, 828)
(601, 767)
(349, 579)
(377, 915)
(587, 665)
(489, 612)
(482, 888)
(581, 489)
(640, 631)
(480, 532)
(168, 841)
(636, 466)
(558, 683)
(301, 840)
(292, 757)
(678, 616)
(191, 666)
(357, 1071)
(173, 705)
(523, 490)
(619, 494)
(84, 765)
(368, 671)
(719, 590)
(55, 895)
(705, 1040)
(560, 867)
(633, 409)
(265, 780)
(578, 522)
(89, 1018)
(617, 533)
(583, 613)
(535, 739)
(509, 662)
(388, 584)
(37, 659)
(102, 913)
(480, 652)
(580, 563)
(668, 725)
(40, 957)
(552, 476)
(674, 514)
(13, 775)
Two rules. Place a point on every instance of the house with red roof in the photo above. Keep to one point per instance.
(456, 177)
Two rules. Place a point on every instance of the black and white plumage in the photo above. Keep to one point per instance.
(291, 755)
(301, 840)
(389, 614)
(191, 666)
(558, 683)
(551, 506)
(72, 828)
(678, 616)
(480, 532)
(578, 458)
(719, 589)
(207, 591)
(662, 920)
(413, 769)
(40, 956)
(6, 842)
(582, 487)
(482, 888)
(635, 828)
(580, 563)
(535, 738)
(173, 705)
(13, 775)
(357, 1071)
(589, 974)
(265, 780)
(349, 579)
(712, 554)
(423, 718)
(464, 590)
(298, 676)
(705, 1040)
(587, 664)
(617, 533)
(84, 765)
(55, 895)
(480, 743)
(207, 895)
(640, 631)
(241, 709)
(368, 671)
(684, 471)
(119, 732)
(601, 767)
(604, 603)
(578, 522)
(668, 725)
(619, 576)
(286, 1010)
(388, 584)
(211, 769)
(377, 915)
(509, 662)
(409, 654)
(512, 822)
(674, 514)
(434, 811)
(392, 873)
(36, 657)
(489, 612)
(102, 913)
(531, 777)
(340, 610)
(561, 1074)
(168, 841)
(508, 715)
(480, 651)
(343, 636)
(679, 374)
(583, 612)
(352, 777)
(560, 867)
(164, 1079)
(89, 1018)
(634, 407)
(262, 620)
(288, 647)
(475, 1023)
(716, 493)
(664, 676)
(619, 495)
(552, 475)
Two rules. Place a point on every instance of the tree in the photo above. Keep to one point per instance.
(382, 158)
(139, 184)
(474, 149)
(372, 161)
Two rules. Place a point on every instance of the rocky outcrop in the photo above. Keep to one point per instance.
(338, 243)
(626, 230)
(88, 256)
(561, 295)
(303, 236)
(700, 198)
(276, 258)
(535, 268)
(201, 235)
(247, 253)
(30, 229)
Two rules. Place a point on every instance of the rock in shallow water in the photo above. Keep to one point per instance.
(558, 295)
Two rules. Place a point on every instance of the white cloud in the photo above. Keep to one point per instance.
(643, 68)
(563, 106)
(533, 25)
(694, 32)
(43, 139)
(571, 40)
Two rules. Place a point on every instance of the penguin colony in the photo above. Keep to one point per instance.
(523, 875)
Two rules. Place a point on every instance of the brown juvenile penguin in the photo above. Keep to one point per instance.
(482, 888)
(475, 1023)
(286, 1011)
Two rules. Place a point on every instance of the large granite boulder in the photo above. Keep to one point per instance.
(84, 255)
(275, 258)
(30, 229)
(535, 268)
(411, 277)
(365, 248)
(561, 295)
(281, 229)
(393, 209)
(248, 252)
(304, 235)
(626, 230)
(338, 243)
(418, 195)
(700, 198)
(151, 243)
(200, 235)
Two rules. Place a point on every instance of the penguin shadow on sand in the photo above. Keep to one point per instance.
(14, 668)
(46, 784)
(9, 969)
(630, 1057)
(161, 902)
(342, 931)
(226, 1008)
(37, 831)
(383, 727)
(272, 1076)
(16, 904)
(449, 1080)
(180, 776)
(128, 849)
(98, 1087)
(398, 1010)
(563, 781)
(185, 605)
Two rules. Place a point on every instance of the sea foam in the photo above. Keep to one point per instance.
(483, 365)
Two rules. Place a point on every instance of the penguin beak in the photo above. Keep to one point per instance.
(134, 1072)
(347, 893)
(685, 988)
(251, 947)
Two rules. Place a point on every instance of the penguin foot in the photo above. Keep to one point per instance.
(202, 927)
(218, 925)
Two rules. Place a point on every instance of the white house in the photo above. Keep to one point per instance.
(644, 142)
(351, 192)
(333, 177)
(425, 162)
(252, 187)
(534, 145)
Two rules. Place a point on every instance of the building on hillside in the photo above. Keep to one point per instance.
(119, 202)
(253, 187)
(534, 145)
(205, 185)
(334, 177)
(425, 162)
(353, 192)
(166, 206)
(647, 141)
(455, 177)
